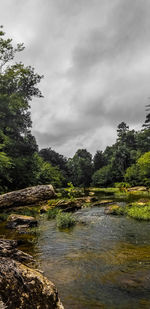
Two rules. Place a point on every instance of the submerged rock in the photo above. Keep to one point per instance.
(21, 286)
(16, 221)
(112, 210)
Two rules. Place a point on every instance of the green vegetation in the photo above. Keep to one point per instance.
(22, 165)
(52, 213)
(26, 211)
(139, 212)
(65, 220)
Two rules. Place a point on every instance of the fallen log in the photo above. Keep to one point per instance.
(27, 196)
(21, 286)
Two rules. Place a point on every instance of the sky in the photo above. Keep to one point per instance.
(95, 58)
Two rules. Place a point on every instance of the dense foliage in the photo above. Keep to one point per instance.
(21, 164)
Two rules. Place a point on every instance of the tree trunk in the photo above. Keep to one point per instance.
(28, 196)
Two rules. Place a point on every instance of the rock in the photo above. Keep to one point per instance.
(89, 199)
(28, 196)
(2, 305)
(15, 221)
(112, 210)
(8, 248)
(44, 209)
(67, 206)
(102, 202)
(138, 188)
(21, 286)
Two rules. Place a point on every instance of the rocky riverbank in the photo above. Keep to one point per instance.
(21, 286)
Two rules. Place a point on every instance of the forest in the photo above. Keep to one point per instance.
(22, 164)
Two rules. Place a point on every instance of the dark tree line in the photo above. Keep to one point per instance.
(22, 165)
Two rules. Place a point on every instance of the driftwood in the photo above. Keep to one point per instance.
(28, 196)
(21, 286)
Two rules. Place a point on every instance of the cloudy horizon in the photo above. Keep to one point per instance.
(95, 58)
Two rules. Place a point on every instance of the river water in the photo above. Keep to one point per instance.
(103, 262)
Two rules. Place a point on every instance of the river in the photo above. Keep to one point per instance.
(103, 262)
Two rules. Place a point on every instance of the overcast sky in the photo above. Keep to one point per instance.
(95, 58)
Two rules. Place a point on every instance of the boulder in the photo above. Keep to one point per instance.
(28, 196)
(112, 210)
(71, 205)
(21, 286)
(15, 221)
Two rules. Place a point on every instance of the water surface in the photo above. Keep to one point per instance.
(103, 262)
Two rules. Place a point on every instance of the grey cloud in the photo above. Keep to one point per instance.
(95, 58)
(125, 34)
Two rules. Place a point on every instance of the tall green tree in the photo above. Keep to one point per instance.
(18, 85)
(80, 167)
(147, 120)
(98, 160)
(51, 156)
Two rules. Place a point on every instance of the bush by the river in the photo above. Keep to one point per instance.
(65, 220)
(139, 212)
(52, 213)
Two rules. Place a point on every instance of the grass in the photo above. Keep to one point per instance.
(52, 213)
(139, 212)
(65, 220)
(135, 210)
(33, 212)
(104, 190)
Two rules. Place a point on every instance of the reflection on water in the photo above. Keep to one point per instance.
(104, 263)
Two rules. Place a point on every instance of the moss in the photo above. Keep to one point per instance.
(139, 212)
(27, 211)
(65, 220)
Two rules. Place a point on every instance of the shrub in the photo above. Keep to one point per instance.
(122, 185)
(52, 213)
(65, 220)
(139, 212)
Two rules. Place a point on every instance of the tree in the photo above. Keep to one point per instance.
(139, 173)
(98, 160)
(143, 141)
(132, 175)
(48, 174)
(122, 130)
(120, 162)
(146, 125)
(56, 159)
(102, 177)
(80, 168)
(18, 85)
